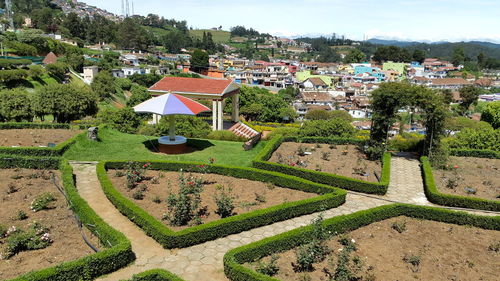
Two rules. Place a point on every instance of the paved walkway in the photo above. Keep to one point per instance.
(204, 261)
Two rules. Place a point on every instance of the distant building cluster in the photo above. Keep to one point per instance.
(83, 10)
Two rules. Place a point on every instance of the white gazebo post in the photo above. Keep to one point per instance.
(214, 115)
(219, 115)
(171, 129)
(236, 108)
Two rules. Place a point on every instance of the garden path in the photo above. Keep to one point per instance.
(205, 261)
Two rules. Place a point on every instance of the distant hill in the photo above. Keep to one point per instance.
(391, 42)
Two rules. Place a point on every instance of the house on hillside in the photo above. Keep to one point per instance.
(448, 83)
(314, 83)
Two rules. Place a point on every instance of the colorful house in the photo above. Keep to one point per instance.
(372, 71)
(398, 67)
(304, 75)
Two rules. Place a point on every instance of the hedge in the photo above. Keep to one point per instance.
(260, 162)
(329, 198)
(118, 255)
(56, 151)
(434, 196)
(156, 275)
(234, 259)
(480, 153)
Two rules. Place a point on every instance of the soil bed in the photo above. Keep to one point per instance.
(160, 183)
(426, 250)
(35, 137)
(343, 160)
(470, 176)
(67, 243)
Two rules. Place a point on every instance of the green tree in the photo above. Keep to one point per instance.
(36, 71)
(355, 56)
(75, 26)
(252, 111)
(419, 55)
(335, 127)
(318, 114)
(199, 61)
(469, 95)
(327, 54)
(145, 80)
(124, 120)
(131, 35)
(491, 114)
(139, 94)
(188, 126)
(15, 105)
(104, 85)
(458, 56)
(57, 70)
(342, 114)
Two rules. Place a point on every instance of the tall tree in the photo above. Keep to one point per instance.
(131, 35)
(419, 55)
(199, 60)
(355, 56)
(458, 56)
(469, 95)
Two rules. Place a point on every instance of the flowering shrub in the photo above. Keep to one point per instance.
(42, 202)
(18, 240)
(135, 173)
(225, 202)
(3, 231)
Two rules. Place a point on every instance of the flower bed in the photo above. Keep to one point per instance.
(235, 259)
(435, 196)
(117, 251)
(328, 197)
(261, 161)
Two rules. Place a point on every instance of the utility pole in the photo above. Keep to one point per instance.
(133, 12)
(123, 8)
(8, 12)
(127, 8)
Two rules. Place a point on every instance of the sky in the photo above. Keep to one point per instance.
(417, 20)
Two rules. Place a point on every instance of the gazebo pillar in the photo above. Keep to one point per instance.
(219, 116)
(236, 108)
(214, 115)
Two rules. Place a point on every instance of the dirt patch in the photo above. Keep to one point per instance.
(470, 176)
(344, 160)
(35, 137)
(426, 250)
(160, 183)
(67, 243)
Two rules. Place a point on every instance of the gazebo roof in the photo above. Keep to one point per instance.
(194, 86)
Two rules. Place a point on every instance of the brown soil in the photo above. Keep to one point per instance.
(35, 137)
(446, 252)
(343, 160)
(68, 244)
(243, 190)
(480, 174)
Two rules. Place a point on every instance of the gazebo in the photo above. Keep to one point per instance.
(216, 90)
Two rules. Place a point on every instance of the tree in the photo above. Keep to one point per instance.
(175, 40)
(145, 80)
(131, 35)
(327, 128)
(199, 61)
(57, 70)
(36, 71)
(327, 54)
(491, 114)
(124, 120)
(469, 95)
(355, 56)
(188, 126)
(458, 56)
(342, 114)
(419, 55)
(139, 94)
(252, 112)
(289, 94)
(15, 105)
(317, 114)
(75, 26)
(104, 85)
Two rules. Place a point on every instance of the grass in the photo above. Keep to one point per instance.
(42, 81)
(219, 36)
(114, 145)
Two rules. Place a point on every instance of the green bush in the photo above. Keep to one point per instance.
(124, 120)
(480, 153)
(476, 139)
(234, 259)
(18, 161)
(225, 136)
(434, 196)
(156, 275)
(335, 127)
(42, 202)
(491, 114)
(407, 142)
(260, 162)
(329, 197)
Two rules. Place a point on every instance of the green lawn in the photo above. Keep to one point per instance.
(118, 146)
(219, 36)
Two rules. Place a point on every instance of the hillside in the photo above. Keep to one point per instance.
(219, 36)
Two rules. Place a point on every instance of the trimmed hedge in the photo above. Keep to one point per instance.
(118, 255)
(329, 198)
(56, 151)
(434, 196)
(156, 275)
(480, 153)
(260, 162)
(234, 259)
(17, 161)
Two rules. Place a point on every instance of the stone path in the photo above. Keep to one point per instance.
(204, 261)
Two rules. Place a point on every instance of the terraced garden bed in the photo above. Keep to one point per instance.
(343, 160)
(35, 137)
(471, 177)
(37, 230)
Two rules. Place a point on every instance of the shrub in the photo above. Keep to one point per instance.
(11, 188)
(225, 136)
(42, 202)
(491, 114)
(494, 247)
(138, 195)
(327, 128)
(184, 206)
(414, 260)
(3, 230)
(124, 120)
(270, 268)
(326, 156)
(260, 198)
(188, 126)
(399, 226)
(21, 215)
(476, 139)
(37, 237)
(157, 199)
(225, 202)
(135, 173)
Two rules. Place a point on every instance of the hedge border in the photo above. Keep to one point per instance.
(118, 255)
(480, 153)
(260, 162)
(156, 275)
(434, 196)
(329, 197)
(235, 258)
(8, 161)
(56, 151)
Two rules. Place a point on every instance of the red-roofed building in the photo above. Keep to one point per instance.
(50, 58)
(216, 90)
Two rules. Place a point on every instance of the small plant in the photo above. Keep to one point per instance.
(12, 188)
(316, 250)
(280, 158)
(42, 202)
(414, 260)
(142, 187)
(119, 174)
(211, 160)
(21, 215)
(36, 237)
(155, 180)
(33, 176)
(348, 243)
(156, 199)
(138, 195)
(184, 206)
(318, 168)
(260, 198)
(301, 151)
(326, 156)
(16, 177)
(399, 226)
(3, 231)
(332, 146)
(270, 268)
(224, 201)
(494, 247)
(135, 173)
(452, 182)
(270, 185)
